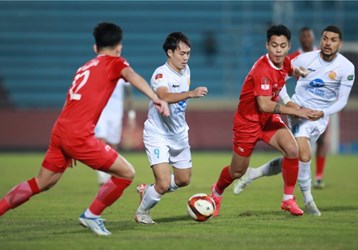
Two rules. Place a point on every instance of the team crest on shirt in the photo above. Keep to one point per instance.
(158, 78)
(265, 83)
(332, 75)
(188, 80)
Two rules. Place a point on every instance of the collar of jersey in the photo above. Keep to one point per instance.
(179, 74)
(272, 65)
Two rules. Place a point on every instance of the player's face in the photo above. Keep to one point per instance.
(178, 59)
(277, 48)
(307, 40)
(330, 43)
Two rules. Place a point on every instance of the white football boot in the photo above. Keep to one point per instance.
(241, 183)
(312, 208)
(95, 224)
(144, 218)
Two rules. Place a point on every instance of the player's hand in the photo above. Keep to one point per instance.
(304, 113)
(317, 114)
(161, 106)
(199, 92)
(301, 72)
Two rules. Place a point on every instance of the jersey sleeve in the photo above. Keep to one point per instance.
(116, 67)
(262, 82)
(159, 79)
(348, 75)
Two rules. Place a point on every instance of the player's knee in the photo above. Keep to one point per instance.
(45, 185)
(182, 182)
(305, 158)
(162, 186)
(291, 151)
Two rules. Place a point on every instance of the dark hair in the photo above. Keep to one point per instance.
(278, 30)
(334, 29)
(173, 39)
(107, 35)
(303, 29)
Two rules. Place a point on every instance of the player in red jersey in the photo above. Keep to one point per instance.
(73, 136)
(257, 118)
(307, 45)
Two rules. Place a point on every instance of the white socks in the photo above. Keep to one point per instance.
(150, 199)
(304, 180)
(173, 187)
(89, 214)
(273, 167)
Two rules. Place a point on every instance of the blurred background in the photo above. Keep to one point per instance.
(43, 43)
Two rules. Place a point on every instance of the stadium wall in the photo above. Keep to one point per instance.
(209, 130)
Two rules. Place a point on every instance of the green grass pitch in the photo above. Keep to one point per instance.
(252, 220)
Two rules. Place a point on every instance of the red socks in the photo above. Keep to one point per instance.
(289, 174)
(108, 194)
(320, 164)
(19, 195)
(224, 180)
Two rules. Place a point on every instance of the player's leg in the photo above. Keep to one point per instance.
(270, 168)
(284, 141)
(151, 194)
(228, 174)
(25, 190)
(321, 153)
(304, 175)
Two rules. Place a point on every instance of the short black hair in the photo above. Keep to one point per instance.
(334, 29)
(173, 39)
(306, 28)
(107, 35)
(278, 30)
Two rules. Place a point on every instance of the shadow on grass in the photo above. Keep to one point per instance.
(174, 219)
(338, 208)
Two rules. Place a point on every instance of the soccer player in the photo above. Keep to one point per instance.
(73, 137)
(307, 45)
(257, 118)
(326, 88)
(166, 138)
(109, 125)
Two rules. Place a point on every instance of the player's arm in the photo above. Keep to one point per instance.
(343, 95)
(285, 98)
(164, 94)
(137, 81)
(268, 106)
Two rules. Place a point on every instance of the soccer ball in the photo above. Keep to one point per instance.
(200, 207)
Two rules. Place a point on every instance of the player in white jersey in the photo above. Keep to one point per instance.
(166, 138)
(109, 126)
(306, 38)
(326, 88)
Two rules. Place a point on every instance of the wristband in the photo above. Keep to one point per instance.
(131, 114)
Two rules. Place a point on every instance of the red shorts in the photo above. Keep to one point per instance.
(88, 149)
(247, 133)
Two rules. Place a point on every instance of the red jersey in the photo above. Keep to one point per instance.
(264, 79)
(91, 88)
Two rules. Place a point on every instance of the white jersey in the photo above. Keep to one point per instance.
(114, 105)
(176, 82)
(327, 85)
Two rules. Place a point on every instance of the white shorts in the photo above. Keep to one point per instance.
(109, 128)
(172, 150)
(306, 128)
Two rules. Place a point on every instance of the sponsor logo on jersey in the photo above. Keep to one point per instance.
(350, 77)
(312, 70)
(332, 75)
(107, 148)
(265, 83)
(181, 107)
(315, 87)
(317, 83)
(158, 77)
(175, 86)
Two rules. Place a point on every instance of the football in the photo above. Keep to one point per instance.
(200, 207)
